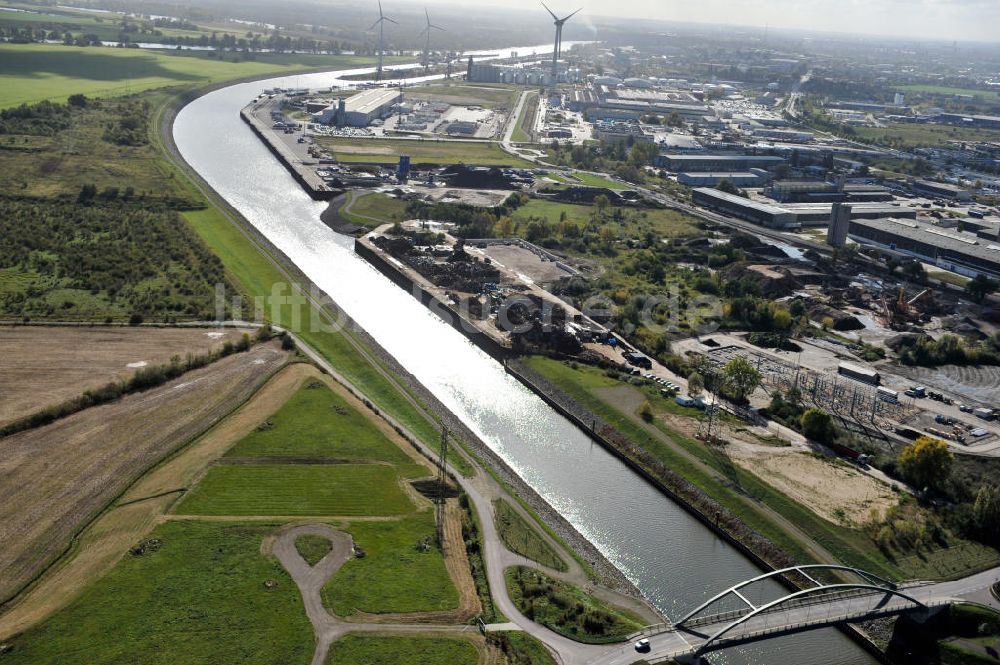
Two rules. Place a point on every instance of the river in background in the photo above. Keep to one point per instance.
(665, 552)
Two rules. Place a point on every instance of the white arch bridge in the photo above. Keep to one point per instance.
(738, 615)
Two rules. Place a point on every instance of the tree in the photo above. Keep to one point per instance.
(696, 383)
(741, 377)
(980, 287)
(926, 463)
(986, 513)
(601, 202)
(646, 411)
(817, 425)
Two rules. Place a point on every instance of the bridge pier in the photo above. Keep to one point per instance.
(690, 659)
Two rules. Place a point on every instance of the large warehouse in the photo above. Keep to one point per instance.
(361, 109)
(790, 215)
(958, 252)
(691, 163)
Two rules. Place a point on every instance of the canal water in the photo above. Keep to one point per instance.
(670, 556)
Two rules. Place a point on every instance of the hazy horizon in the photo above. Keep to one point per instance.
(951, 20)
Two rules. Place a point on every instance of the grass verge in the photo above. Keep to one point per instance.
(567, 609)
(401, 650)
(521, 538)
(312, 548)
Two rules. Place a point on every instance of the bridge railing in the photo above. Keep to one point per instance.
(720, 617)
(843, 617)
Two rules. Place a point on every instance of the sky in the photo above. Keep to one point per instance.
(962, 20)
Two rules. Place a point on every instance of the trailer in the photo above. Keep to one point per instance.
(888, 395)
(859, 373)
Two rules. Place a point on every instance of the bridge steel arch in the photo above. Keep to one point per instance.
(875, 583)
(712, 642)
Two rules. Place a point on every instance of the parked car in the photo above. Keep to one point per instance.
(642, 646)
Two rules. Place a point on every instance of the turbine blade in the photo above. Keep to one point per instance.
(573, 14)
(375, 24)
(438, 27)
(427, 15)
(550, 11)
(380, 8)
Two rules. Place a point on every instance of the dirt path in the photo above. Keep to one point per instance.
(142, 506)
(310, 581)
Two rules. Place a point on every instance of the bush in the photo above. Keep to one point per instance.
(817, 425)
(287, 342)
(646, 411)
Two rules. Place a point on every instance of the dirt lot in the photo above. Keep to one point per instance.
(54, 479)
(526, 263)
(832, 490)
(40, 367)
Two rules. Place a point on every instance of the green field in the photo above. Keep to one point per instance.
(945, 90)
(199, 597)
(911, 136)
(291, 489)
(597, 181)
(665, 223)
(33, 72)
(387, 151)
(316, 423)
(401, 650)
(312, 548)
(522, 538)
(394, 575)
(481, 94)
(374, 209)
(567, 609)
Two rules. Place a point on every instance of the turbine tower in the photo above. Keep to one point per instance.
(382, 18)
(557, 47)
(427, 44)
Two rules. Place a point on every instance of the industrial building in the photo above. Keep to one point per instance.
(692, 163)
(958, 252)
(361, 109)
(821, 191)
(940, 189)
(985, 121)
(789, 216)
(754, 178)
(730, 204)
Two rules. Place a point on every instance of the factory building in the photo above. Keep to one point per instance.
(985, 121)
(692, 163)
(755, 178)
(361, 109)
(940, 189)
(789, 216)
(951, 250)
(759, 213)
(820, 191)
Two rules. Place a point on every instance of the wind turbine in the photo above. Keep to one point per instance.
(557, 47)
(382, 18)
(427, 45)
